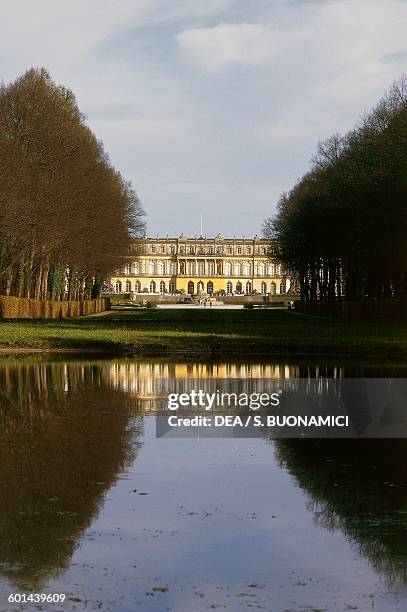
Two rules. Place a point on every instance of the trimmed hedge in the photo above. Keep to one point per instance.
(25, 308)
(367, 310)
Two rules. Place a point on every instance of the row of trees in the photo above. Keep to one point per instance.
(342, 229)
(66, 215)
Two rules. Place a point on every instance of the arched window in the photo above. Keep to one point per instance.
(272, 269)
(118, 286)
(239, 287)
(152, 268)
(228, 268)
(248, 287)
(161, 267)
(137, 286)
(200, 287)
(201, 268)
(262, 269)
(263, 288)
(191, 268)
(127, 269)
(128, 286)
(152, 287)
(229, 288)
(209, 288)
(135, 267)
(172, 287)
(162, 287)
(173, 268)
(211, 268)
(283, 287)
(273, 288)
(247, 269)
(191, 287)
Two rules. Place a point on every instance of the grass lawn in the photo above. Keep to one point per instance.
(208, 333)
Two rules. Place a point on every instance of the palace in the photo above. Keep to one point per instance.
(202, 265)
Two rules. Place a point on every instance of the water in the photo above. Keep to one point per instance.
(94, 506)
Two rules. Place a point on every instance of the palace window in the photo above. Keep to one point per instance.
(247, 269)
(230, 250)
(128, 286)
(137, 286)
(201, 268)
(211, 268)
(263, 288)
(273, 288)
(173, 249)
(152, 267)
(172, 287)
(248, 287)
(191, 287)
(219, 250)
(228, 268)
(272, 269)
(161, 267)
(239, 250)
(239, 287)
(191, 268)
(262, 269)
(173, 268)
(248, 250)
(162, 249)
(153, 248)
(229, 288)
(283, 287)
(162, 287)
(209, 288)
(118, 286)
(152, 287)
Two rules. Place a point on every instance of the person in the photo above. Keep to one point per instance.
(210, 303)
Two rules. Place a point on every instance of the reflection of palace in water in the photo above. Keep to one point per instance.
(151, 381)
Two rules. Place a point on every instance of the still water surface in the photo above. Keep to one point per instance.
(93, 505)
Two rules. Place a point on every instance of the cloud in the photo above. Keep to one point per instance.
(220, 47)
(338, 33)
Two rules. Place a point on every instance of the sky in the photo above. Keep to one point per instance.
(211, 107)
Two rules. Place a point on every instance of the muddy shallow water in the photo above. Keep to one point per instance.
(94, 506)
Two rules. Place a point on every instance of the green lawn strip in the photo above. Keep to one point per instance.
(208, 332)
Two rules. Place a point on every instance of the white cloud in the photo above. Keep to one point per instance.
(339, 33)
(222, 46)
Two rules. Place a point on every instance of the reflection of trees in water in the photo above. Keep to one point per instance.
(66, 437)
(360, 487)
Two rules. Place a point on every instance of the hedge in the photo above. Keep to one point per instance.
(25, 308)
(367, 310)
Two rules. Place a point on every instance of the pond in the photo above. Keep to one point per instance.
(95, 506)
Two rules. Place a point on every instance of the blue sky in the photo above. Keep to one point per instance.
(211, 107)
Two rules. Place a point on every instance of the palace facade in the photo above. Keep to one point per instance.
(202, 265)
